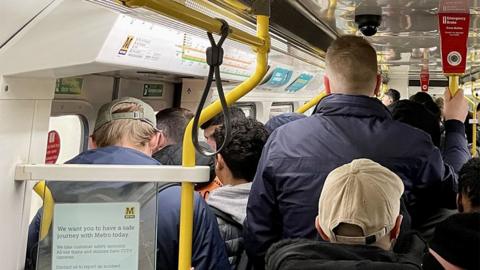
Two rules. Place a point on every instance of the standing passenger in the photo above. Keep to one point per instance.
(236, 166)
(360, 222)
(282, 119)
(217, 121)
(348, 124)
(390, 97)
(125, 134)
(456, 244)
(171, 123)
(468, 199)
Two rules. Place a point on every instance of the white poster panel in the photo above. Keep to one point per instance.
(96, 236)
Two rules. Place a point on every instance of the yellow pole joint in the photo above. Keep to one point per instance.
(186, 212)
(453, 84)
(314, 101)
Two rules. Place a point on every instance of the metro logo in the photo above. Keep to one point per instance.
(126, 45)
(129, 212)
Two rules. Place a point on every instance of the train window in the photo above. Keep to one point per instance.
(67, 137)
(280, 107)
(72, 134)
(248, 108)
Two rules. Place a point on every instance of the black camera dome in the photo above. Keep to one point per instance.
(368, 23)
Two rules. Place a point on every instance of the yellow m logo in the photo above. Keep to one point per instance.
(129, 211)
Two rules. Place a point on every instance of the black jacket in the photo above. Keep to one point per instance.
(231, 232)
(310, 254)
(172, 155)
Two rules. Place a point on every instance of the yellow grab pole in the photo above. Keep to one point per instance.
(453, 84)
(314, 101)
(44, 192)
(474, 132)
(186, 212)
(474, 126)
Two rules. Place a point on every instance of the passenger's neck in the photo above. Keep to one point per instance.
(230, 180)
(145, 149)
(384, 243)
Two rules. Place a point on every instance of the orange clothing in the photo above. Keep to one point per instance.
(205, 190)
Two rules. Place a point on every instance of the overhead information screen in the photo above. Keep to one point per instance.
(134, 42)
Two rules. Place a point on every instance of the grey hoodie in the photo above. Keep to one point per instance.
(231, 200)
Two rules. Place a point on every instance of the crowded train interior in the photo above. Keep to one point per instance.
(239, 134)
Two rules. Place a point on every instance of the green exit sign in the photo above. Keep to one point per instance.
(153, 89)
(69, 86)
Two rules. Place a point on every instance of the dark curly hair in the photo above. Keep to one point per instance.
(469, 181)
(243, 152)
(235, 113)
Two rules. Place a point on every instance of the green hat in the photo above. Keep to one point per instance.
(105, 115)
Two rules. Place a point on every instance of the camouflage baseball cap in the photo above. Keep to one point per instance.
(105, 114)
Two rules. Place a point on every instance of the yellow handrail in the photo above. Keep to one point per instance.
(474, 126)
(314, 101)
(189, 16)
(453, 84)
(186, 213)
(44, 192)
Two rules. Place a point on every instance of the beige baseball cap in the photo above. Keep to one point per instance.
(105, 114)
(361, 193)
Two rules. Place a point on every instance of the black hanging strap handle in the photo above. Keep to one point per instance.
(214, 60)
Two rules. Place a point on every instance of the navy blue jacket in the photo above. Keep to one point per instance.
(208, 246)
(298, 156)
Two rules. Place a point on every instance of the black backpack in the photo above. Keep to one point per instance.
(243, 262)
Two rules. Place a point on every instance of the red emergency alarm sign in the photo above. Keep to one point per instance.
(424, 79)
(454, 23)
(53, 147)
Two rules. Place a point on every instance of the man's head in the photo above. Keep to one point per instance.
(127, 122)
(351, 67)
(468, 199)
(427, 101)
(172, 123)
(390, 97)
(211, 125)
(238, 160)
(360, 204)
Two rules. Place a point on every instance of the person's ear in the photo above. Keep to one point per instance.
(326, 84)
(162, 140)
(395, 232)
(92, 144)
(154, 143)
(377, 86)
(220, 162)
(320, 231)
(460, 207)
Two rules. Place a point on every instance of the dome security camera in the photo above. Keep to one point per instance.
(368, 23)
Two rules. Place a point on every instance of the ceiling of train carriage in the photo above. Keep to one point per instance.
(408, 30)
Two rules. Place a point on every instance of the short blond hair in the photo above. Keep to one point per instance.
(134, 131)
(351, 63)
